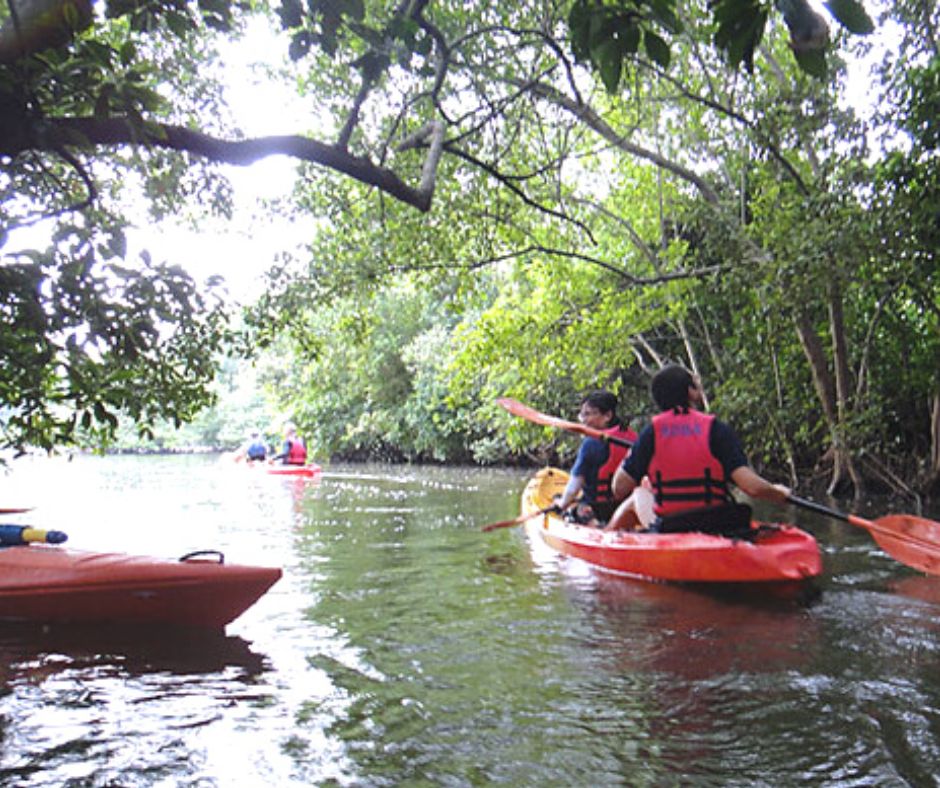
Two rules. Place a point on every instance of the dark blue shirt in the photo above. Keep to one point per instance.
(591, 457)
(723, 443)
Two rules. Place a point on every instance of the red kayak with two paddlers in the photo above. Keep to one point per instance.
(769, 550)
(772, 553)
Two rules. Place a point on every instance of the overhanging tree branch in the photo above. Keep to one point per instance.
(58, 134)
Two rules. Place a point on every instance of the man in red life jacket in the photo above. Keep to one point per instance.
(293, 452)
(597, 460)
(690, 458)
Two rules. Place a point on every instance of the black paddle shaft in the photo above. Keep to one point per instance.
(818, 508)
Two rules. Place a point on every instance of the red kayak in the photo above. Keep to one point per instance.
(43, 583)
(775, 553)
(308, 471)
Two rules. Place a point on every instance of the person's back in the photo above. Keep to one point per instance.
(689, 458)
(256, 451)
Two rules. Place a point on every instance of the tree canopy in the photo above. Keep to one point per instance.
(600, 187)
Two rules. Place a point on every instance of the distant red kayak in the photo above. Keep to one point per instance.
(294, 470)
(51, 584)
(775, 554)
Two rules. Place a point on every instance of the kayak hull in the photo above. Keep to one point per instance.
(41, 583)
(306, 471)
(780, 553)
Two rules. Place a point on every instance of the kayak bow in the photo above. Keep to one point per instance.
(41, 583)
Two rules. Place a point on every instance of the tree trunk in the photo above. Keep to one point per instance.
(933, 479)
(843, 390)
(825, 391)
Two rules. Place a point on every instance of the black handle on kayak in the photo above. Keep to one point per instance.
(204, 553)
(818, 508)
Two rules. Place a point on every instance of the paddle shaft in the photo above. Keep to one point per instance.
(861, 522)
(599, 434)
(820, 509)
(520, 519)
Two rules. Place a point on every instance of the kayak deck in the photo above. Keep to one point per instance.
(52, 584)
(776, 553)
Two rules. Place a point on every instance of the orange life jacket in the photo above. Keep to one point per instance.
(683, 471)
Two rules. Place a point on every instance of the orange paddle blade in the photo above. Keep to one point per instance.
(516, 408)
(914, 541)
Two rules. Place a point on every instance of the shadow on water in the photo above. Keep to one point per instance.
(34, 652)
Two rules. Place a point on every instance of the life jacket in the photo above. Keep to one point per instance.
(683, 471)
(297, 454)
(615, 456)
(257, 451)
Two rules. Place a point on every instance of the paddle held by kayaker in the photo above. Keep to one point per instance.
(690, 458)
(597, 461)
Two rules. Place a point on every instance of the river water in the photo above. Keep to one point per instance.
(405, 647)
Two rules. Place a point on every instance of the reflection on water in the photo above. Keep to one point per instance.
(404, 647)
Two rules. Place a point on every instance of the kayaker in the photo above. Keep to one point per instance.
(256, 450)
(689, 457)
(294, 451)
(597, 461)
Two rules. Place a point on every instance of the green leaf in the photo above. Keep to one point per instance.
(664, 13)
(579, 26)
(630, 39)
(608, 58)
(813, 62)
(851, 15)
(299, 45)
(291, 13)
(656, 48)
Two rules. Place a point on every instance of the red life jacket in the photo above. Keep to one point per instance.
(297, 454)
(683, 471)
(615, 455)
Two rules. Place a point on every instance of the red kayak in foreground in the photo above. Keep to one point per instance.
(778, 553)
(42, 583)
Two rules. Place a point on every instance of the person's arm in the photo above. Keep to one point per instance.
(574, 486)
(623, 484)
(727, 447)
(583, 461)
(285, 450)
(756, 486)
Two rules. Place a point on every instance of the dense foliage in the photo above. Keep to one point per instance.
(588, 208)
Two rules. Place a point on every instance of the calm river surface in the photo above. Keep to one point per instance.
(405, 647)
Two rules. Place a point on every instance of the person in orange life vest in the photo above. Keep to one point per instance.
(293, 452)
(689, 457)
(597, 460)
